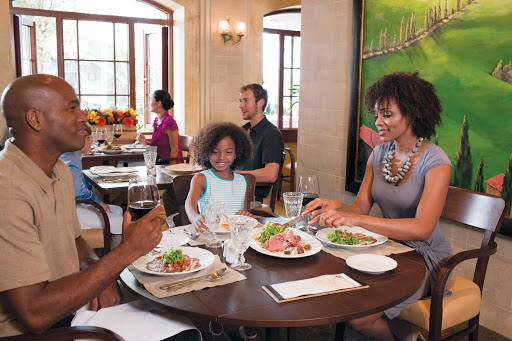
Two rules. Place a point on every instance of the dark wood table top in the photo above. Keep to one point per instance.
(245, 302)
(163, 181)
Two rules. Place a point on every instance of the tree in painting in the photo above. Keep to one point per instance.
(479, 183)
(463, 165)
(507, 185)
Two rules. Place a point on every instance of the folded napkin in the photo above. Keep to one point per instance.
(135, 321)
(203, 238)
(312, 287)
(390, 247)
(152, 283)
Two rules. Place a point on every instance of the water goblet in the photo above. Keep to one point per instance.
(213, 212)
(150, 155)
(241, 232)
(118, 131)
(109, 137)
(293, 204)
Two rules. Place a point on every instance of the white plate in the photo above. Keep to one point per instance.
(112, 175)
(173, 240)
(136, 150)
(102, 168)
(206, 258)
(371, 264)
(316, 246)
(184, 168)
(222, 230)
(134, 146)
(322, 235)
(112, 151)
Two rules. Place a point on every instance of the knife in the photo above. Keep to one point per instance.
(293, 221)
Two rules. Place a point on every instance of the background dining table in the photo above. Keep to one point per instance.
(246, 303)
(98, 158)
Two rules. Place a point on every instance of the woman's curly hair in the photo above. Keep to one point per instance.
(415, 97)
(209, 136)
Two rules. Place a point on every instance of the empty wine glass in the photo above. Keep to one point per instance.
(241, 232)
(292, 204)
(213, 212)
(143, 196)
(118, 131)
(109, 137)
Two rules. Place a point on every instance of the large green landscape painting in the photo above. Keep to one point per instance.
(463, 47)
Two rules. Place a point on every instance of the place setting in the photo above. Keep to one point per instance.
(181, 169)
(111, 174)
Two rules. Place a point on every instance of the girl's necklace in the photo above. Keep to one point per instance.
(402, 171)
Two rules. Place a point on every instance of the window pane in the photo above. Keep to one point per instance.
(121, 42)
(97, 78)
(271, 74)
(296, 77)
(97, 102)
(295, 112)
(122, 78)
(287, 82)
(287, 51)
(25, 42)
(46, 40)
(283, 21)
(96, 40)
(155, 61)
(70, 46)
(296, 52)
(122, 102)
(286, 112)
(71, 73)
(26, 67)
(125, 8)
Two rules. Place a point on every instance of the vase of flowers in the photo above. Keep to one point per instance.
(107, 117)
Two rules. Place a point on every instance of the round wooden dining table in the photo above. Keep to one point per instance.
(245, 303)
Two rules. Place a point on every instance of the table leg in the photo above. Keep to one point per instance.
(340, 331)
(290, 332)
(272, 334)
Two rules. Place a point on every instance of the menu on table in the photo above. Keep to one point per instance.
(312, 287)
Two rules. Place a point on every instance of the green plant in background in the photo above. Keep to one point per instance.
(140, 126)
(294, 93)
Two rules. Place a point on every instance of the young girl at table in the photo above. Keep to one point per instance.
(408, 178)
(220, 147)
(88, 216)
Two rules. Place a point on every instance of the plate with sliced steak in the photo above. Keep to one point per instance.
(291, 243)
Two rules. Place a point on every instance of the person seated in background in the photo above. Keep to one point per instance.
(165, 129)
(48, 270)
(408, 178)
(89, 217)
(220, 147)
(268, 144)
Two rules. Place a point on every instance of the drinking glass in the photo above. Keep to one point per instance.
(143, 196)
(101, 136)
(118, 131)
(241, 232)
(292, 204)
(150, 155)
(308, 185)
(109, 137)
(213, 212)
(94, 136)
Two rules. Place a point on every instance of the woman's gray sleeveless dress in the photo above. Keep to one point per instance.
(398, 202)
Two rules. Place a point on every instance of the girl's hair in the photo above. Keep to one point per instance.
(415, 97)
(209, 136)
(164, 97)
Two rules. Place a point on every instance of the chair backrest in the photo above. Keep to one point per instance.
(69, 333)
(106, 223)
(275, 184)
(181, 187)
(185, 143)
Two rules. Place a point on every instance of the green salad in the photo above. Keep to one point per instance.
(343, 237)
(173, 256)
(269, 230)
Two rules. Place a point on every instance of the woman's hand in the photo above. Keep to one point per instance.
(142, 139)
(197, 221)
(332, 218)
(246, 213)
(319, 206)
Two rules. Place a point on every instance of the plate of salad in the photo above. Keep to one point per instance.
(279, 241)
(350, 237)
(175, 261)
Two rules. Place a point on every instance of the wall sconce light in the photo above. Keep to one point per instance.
(226, 31)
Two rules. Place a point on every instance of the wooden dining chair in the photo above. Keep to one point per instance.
(186, 144)
(97, 238)
(275, 187)
(438, 313)
(181, 187)
(68, 333)
(290, 178)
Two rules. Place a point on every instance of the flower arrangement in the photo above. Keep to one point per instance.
(128, 117)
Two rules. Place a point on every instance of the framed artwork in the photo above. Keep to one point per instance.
(464, 48)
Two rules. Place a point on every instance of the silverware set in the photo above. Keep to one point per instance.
(175, 286)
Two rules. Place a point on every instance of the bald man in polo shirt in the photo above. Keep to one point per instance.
(48, 270)
(266, 138)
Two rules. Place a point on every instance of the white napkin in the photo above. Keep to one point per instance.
(229, 252)
(135, 321)
(390, 247)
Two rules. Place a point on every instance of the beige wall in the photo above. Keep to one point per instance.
(6, 74)
(322, 142)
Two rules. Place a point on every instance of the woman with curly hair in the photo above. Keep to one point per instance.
(220, 147)
(408, 178)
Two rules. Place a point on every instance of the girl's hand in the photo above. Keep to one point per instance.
(198, 221)
(332, 218)
(319, 206)
(246, 213)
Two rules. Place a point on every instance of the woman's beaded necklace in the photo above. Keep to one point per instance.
(402, 171)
